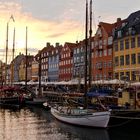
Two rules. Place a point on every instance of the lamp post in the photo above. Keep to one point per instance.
(7, 35)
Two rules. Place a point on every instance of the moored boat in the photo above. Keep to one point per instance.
(125, 118)
(82, 117)
(11, 97)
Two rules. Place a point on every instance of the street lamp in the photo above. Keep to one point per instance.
(7, 35)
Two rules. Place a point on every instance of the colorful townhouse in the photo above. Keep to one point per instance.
(102, 52)
(16, 67)
(22, 68)
(66, 62)
(34, 69)
(79, 61)
(53, 63)
(44, 61)
(127, 49)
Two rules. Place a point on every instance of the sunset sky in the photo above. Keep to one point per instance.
(54, 21)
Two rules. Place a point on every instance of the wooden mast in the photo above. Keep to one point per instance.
(7, 32)
(39, 74)
(26, 59)
(86, 44)
(12, 78)
(90, 46)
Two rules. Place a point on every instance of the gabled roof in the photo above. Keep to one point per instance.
(107, 26)
(71, 46)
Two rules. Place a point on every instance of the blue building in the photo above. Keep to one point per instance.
(53, 63)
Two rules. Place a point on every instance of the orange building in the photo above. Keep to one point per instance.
(102, 55)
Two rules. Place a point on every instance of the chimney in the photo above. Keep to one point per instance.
(118, 19)
(56, 44)
(48, 44)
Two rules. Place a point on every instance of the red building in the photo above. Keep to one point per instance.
(66, 62)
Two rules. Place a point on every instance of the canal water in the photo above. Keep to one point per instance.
(39, 124)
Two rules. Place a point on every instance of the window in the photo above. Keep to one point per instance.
(110, 64)
(121, 45)
(116, 61)
(116, 75)
(133, 58)
(116, 46)
(133, 42)
(119, 34)
(138, 41)
(127, 59)
(121, 60)
(127, 44)
(121, 75)
(133, 76)
(105, 52)
(109, 51)
(128, 75)
(138, 58)
(100, 53)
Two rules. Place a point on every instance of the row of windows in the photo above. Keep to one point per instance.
(66, 70)
(65, 62)
(127, 43)
(125, 60)
(104, 42)
(103, 65)
(101, 53)
(53, 66)
(65, 55)
(129, 76)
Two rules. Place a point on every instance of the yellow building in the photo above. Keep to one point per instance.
(126, 49)
(22, 70)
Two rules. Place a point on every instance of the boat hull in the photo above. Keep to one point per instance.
(127, 119)
(97, 119)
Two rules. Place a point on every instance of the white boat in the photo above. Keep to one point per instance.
(82, 117)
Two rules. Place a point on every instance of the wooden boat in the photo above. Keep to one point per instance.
(11, 96)
(82, 117)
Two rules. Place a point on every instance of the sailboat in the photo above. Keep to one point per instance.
(78, 115)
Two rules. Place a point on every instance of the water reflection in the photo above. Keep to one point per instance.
(38, 124)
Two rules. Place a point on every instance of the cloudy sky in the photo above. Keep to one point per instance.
(54, 20)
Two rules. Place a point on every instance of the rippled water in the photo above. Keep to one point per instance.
(39, 124)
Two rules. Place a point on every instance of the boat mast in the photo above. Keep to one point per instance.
(7, 32)
(90, 44)
(12, 78)
(26, 60)
(7, 36)
(39, 74)
(86, 44)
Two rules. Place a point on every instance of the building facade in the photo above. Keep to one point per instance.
(127, 49)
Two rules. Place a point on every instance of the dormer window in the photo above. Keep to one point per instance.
(119, 34)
